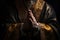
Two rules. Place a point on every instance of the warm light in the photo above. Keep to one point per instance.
(45, 26)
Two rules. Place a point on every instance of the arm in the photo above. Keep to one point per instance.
(52, 20)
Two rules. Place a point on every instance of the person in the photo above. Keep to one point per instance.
(30, 20)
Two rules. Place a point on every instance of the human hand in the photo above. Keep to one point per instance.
(32, 19)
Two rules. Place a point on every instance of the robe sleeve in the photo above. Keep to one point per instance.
(51, 20)
(49, 28)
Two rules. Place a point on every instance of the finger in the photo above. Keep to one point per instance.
(31, 20)
(31, 14)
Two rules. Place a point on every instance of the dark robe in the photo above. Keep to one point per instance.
(18, 33)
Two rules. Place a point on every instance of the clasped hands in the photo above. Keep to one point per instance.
(33, 19)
